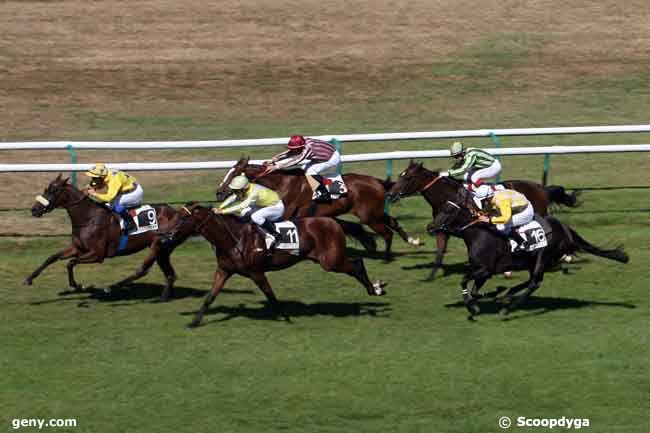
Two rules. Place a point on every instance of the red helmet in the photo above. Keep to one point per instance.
(296, 142)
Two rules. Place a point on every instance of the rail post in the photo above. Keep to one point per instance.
(73, 160)
(497, 144)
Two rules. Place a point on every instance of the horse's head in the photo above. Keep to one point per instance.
(53, 196)
(451, 218)
(192, 217)
(411, 181)
(223, 190)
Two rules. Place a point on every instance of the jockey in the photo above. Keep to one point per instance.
(514, 211)
(264, 204)
(318, 155)
(122, 191)
(473, 164)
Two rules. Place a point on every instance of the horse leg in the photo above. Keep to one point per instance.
(170, 275)
(356, 231)
(536, 277)
(441, 247)
(357, 269)
(394, 225)
(387, 234)
(220, 278)
(265, 287)
(89, 257)
(61, 255)
(142, 270)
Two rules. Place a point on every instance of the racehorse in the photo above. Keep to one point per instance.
(96, 235)
(437, 190)
(240, 249)
(489, 252)
(365, 199)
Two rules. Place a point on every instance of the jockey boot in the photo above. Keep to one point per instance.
(269, 228)
(129, 224)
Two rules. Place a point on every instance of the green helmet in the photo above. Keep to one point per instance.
(239, 182)
(456, 148)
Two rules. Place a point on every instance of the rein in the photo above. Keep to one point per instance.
(430, 184)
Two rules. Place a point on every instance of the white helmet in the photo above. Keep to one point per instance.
(239, 182)
(484, 191)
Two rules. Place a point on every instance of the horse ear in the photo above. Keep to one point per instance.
(58, 178)
(65, 181)
(420, 164)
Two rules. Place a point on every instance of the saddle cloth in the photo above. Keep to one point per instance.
(145, 217)
(335, 186)
(534, 233)
(289, 240)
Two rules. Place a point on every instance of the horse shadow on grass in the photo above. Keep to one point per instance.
(130, 294)
(292, 309)
(538, 305)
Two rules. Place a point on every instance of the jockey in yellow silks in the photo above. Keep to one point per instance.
(122, 192)
(512, 210)
(262, 204)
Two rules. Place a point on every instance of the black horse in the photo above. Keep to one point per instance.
(490, 253)
(437, 189)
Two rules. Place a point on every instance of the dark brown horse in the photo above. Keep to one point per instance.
(240, 249)
(437, 190)
(365, 199)
(96, 235)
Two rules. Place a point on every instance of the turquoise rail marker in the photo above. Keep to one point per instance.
(73, 160)
(547, 168)
(338, 145)
(497, 144)
(389, 174)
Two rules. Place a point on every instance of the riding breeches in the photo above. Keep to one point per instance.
(518, 219)
(271, 213)
(313, 167)
(484, 173)
(128, 199)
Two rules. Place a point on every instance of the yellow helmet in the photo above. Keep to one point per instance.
(98, 170)
(239, 182)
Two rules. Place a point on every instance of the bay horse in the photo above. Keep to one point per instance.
(96, 235)
(365, 199)
(490, 253)
(437, 190)
(240, 249)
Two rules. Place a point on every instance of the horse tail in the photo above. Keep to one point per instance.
(356, 231)
(557, 194)
(617, 253)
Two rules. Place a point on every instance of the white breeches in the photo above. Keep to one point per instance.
(316, 168)
(272, 213)
(130, 199)
(485, 173)
(518, 219)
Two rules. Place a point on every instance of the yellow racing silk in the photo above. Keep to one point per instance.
(255, 195)
(508, 202)
(117, 182)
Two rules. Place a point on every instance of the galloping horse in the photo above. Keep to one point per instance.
(365, 199)
(490, 253)
(437, 190)
(240, 249)
(96, 235)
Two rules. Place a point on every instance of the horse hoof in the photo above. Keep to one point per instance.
(193, 325)
(508, 275)
(378, 288)
(415, 242)
(27, 282)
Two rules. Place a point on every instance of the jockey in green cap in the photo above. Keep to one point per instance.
(472, 164)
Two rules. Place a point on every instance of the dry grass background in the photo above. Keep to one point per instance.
(152, 70)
